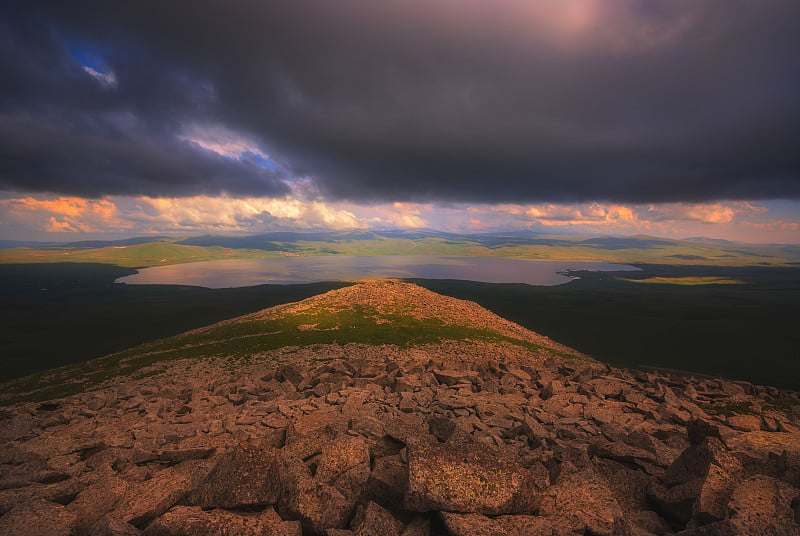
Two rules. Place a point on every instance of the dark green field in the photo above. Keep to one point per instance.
(83, 314)
(748, 330)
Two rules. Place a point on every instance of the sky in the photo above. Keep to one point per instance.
(676, 119)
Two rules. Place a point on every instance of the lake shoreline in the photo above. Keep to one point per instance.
(235, 273)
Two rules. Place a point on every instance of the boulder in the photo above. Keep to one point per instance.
(375, 520)
(37, 518)
(620, 452)
(581, 499)
(698, 484)
(317, 505)
(773, 453)
(146, 500)
(744, 423)
(290, 373)
(466, 477)
(60, 492)
(508, 525)
(419, 526)
(388, 480)
(718, 528)
(698, 429)
(344, 464)
(623, 527)
(97, 500)
(246, 476)
(455, 376)
(110, 526)
(763, 505)
(185, 520)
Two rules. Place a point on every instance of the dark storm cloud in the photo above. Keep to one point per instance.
(507, 100)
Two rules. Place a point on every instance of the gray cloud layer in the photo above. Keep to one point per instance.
(507, 100)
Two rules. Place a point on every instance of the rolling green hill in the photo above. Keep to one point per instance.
(626, 250)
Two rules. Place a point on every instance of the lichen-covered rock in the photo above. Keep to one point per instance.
(764, 505)
(466, 477)
(344, 464)
(375, 520)
(718, 528)
(698, 484)
(110, 526)
(37, 518)
(744, 423)
(419, 526)
(317, 505)
(582, 500)
(246, 476)
(508, 525)
(146, 500)
(185, 520)
(388, 480)
(94, 502)
(621, 452)
(773, 453)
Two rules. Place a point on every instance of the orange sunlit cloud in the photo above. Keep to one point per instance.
(735, 220)
(62, 214)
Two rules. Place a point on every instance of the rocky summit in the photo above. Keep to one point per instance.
(385, 409)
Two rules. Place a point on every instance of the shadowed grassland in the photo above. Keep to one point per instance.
(746, 331)
(57, 314)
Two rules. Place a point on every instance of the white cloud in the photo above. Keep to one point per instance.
(106, 78)
(248, 214)
(221, 140)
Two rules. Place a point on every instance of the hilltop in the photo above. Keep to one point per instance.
(384, 408)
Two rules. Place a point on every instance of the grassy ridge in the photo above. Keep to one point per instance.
(745, 331)
(248, 339)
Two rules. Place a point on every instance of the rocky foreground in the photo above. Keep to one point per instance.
(511, 436)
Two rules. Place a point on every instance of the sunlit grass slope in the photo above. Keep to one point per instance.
(628, 250)
(135, 256)
(687, 281)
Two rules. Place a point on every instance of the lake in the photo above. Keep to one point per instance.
(289, 270)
